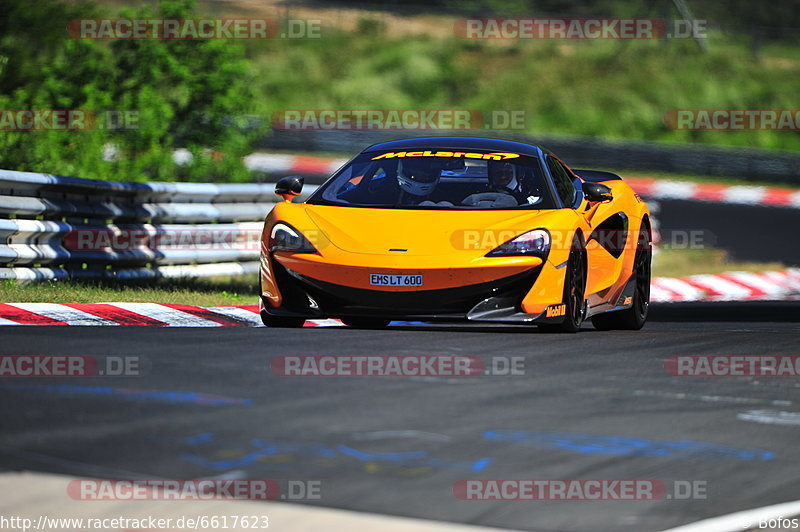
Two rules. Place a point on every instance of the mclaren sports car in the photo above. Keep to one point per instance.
(458, 229)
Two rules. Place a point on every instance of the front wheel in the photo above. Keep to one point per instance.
(574, 292)
(633, 318)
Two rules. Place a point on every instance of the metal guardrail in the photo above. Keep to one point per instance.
(55, 227)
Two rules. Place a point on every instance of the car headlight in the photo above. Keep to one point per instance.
(536, 243)
(284, 237)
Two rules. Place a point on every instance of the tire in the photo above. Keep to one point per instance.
(281, 321)
(365, 323)
(574, 293)
(633, 318)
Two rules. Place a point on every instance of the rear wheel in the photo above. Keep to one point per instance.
(574, 293)
(365, 323)
(281, 321)
(633, 318)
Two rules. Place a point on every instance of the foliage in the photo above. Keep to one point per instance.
(197, 94)
(182, 93)
(609, 89)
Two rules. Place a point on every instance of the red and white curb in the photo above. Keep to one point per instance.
(142, 314)
(730, 286)
(733, 286)
(736, 194)
(646, 186)
(301, 164)
(147, 314)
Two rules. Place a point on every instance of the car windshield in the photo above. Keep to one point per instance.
(439, 180)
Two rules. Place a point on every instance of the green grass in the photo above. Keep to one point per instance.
(698, 178)
(211, 292)
(608, 89)
(680, 262)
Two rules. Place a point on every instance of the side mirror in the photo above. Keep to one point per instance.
(289, 187)
(596, 192)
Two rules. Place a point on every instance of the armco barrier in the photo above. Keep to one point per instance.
(54, 227)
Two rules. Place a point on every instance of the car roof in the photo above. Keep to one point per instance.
(461, 143)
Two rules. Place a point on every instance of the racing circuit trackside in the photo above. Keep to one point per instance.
(205, 398)
(399, 266)
(592, 405)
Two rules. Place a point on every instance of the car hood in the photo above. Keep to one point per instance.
(423, 232)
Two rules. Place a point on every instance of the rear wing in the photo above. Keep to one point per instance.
(596, 176)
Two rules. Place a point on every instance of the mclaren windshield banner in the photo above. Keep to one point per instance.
(497, 156)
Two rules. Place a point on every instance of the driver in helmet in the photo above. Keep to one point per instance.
(418, 179)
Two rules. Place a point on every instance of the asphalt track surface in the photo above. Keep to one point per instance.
(582, 388)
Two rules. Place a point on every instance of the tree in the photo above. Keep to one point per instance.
(181, 93)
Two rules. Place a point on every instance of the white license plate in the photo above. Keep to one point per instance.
(383, 279)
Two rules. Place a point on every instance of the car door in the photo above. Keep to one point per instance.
(606, 229)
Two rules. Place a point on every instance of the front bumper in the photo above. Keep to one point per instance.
(498, 301)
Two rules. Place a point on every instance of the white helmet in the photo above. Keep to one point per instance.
(417, 177)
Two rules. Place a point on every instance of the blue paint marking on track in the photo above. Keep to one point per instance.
(131, 393)
(481, 464)
(200, 438)
(388, 457)
(224, 465)
(418, 458)
(626, 446)
(260, 449)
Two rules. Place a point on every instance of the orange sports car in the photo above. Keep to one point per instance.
(458, 229)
